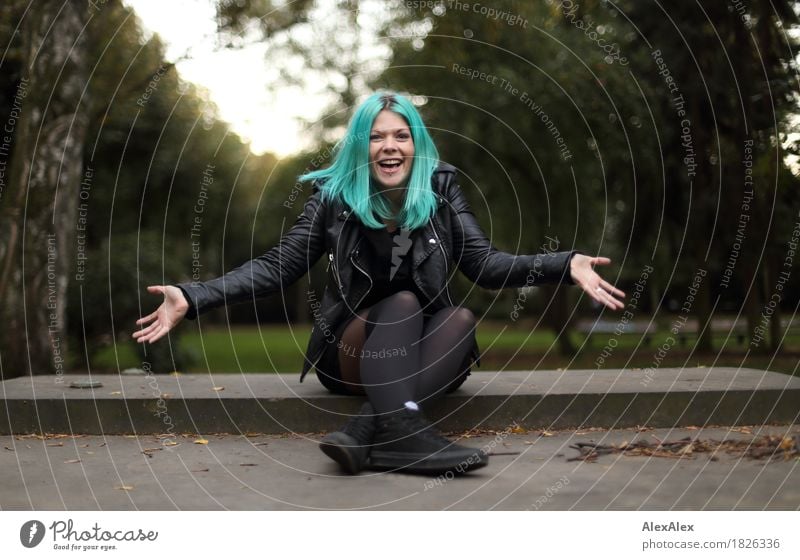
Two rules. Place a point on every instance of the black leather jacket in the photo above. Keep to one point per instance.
(452, 236)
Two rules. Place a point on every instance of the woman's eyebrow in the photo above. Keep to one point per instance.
(403, 129)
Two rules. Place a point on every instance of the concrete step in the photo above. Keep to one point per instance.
(278, 403)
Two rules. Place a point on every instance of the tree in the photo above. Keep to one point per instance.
(736, 80)
(39, 205)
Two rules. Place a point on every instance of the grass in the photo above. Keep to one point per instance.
(278, 348)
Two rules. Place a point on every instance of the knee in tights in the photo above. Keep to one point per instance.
(396, 307)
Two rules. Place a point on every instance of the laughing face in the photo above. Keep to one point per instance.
(391, 153)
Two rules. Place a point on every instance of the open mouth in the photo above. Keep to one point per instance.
(390, 165)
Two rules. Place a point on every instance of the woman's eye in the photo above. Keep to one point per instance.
(374, 137)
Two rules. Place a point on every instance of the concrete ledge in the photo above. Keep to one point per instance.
(278, 403)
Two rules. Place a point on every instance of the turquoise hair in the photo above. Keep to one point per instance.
(348, 177)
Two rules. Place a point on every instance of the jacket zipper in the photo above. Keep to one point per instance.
(364, 272)
(332, 263)
(446, 263)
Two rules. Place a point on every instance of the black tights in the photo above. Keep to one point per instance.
(404, 358)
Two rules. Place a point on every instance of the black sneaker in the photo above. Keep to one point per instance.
(350, 446)
(405, 441)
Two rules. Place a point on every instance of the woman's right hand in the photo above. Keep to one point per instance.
(163, 319)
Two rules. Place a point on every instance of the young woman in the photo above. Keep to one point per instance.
(393, 223)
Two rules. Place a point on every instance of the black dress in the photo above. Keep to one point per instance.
(393, 271)
(391, 251)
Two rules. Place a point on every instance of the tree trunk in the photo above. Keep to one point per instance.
(39, 209)
(557, 317)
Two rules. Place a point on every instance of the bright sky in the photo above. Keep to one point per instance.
(236, 80)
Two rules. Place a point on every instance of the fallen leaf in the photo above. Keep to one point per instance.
(115, 393)
(248, 465)
(123, 487)
(219, 388)
(517, 429)
(528, 442)
(199, 470)
(175, 374)
(545, 433)
(72, 461)
(171, 443)
(7, 448)
(201, 441)
(261, 443)
(59, 444)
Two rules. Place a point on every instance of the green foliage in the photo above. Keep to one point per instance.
(171, 193)
(631, 189)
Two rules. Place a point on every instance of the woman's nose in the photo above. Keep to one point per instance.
(389, 144)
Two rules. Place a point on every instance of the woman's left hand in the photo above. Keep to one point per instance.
(581, 268)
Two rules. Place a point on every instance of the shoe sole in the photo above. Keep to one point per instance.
(341, 448)
(422, 463)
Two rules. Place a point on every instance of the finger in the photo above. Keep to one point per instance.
(611, 303)
(141, 332)
(158, 334)
(140, 336)
(147, 330)
(615, 303)
(596, 295)
(611, 289)
(156, 289)
(600, 260)
(150, 317)
(605, 298)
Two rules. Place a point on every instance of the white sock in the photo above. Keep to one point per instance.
(411, 405)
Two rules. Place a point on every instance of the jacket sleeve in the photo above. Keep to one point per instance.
(493, 269)
(281, 266)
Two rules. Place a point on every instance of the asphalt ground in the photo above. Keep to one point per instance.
(528, 470)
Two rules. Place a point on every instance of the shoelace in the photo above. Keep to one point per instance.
(362, 428)
(422, 428)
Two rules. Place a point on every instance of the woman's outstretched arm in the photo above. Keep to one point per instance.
(490, 268)
(280, 267)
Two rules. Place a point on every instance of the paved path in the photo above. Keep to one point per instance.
(269, 472)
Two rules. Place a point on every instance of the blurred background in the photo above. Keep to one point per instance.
(148, 142)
